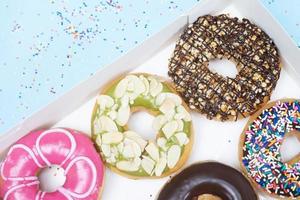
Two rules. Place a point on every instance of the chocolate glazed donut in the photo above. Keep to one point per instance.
(210, 181)
(222, 37)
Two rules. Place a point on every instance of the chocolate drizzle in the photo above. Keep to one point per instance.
(216, 96)
(210, 178)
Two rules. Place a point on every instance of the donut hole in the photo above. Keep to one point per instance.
(218, 190)
(141, 123)
(223, 67)
(290, 148)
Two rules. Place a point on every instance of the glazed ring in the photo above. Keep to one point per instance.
(260, 148)
(221, 37)
(125, 151)
(52, 164)
(208, 181)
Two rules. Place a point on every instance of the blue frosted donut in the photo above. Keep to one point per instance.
(260, 153)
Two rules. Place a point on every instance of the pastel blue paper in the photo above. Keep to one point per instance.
(41, 57)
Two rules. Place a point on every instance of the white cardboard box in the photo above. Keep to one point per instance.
(213, 140)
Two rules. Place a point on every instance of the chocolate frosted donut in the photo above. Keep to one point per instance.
(210, 180)
(217, 37)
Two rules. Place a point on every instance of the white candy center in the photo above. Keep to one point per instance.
(51, 178)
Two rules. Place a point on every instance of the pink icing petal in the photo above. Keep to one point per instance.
(53, 196)
(55, 146)
(20, 164)
(81, 177)
(26, 191)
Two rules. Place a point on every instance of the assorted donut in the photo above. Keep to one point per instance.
(124, 150)
(62, 163)
(260, 153)
(222, 37)
(208, 181)
(54, 164)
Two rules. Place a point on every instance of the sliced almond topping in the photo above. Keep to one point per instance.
(148, 164)
(161, 165)
(121, 88)
(139, 86)
(146, 84)
(129, 166)
(105, 148)
(173, 155)
(185, 115)
(125, 100)
(120, 147)
(136, 137)
(105, 101)
(112, 114)
(98, 140)
(111, 159)
(155, 87)
(158, 122)
(97, 126)
(107, 124)
(123, 115)
(167, 106)
(167, 95)
(161, 142)
(152, 150)
(170, 128)
(180, 125)
(182, 138)
(128, 151)
(112, 138)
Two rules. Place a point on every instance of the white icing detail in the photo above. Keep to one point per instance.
(16, 187)
(67, 133)
(51, 178)
(30, 152)
(152, 150)
(93, 182)
(64, 192)
(173, 156)
(37, 196)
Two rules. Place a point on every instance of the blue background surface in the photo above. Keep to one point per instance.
(47, 47)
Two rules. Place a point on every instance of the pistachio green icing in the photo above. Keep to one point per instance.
(148, 104)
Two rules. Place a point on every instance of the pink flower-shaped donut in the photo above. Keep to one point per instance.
(55, 164)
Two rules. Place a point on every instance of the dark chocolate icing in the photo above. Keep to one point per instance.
(208, 178)
(250, 48)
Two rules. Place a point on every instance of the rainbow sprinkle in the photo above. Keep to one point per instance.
(261, 150)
